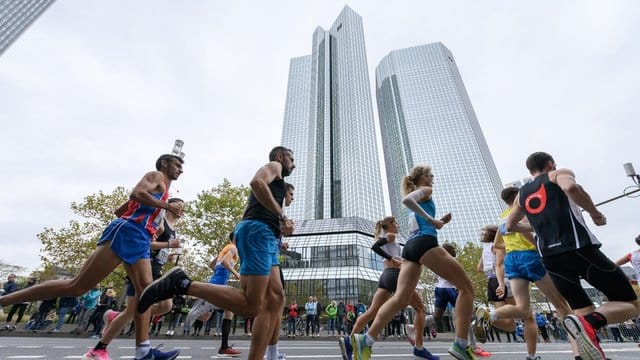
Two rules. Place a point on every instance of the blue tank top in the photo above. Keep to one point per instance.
(419, 226)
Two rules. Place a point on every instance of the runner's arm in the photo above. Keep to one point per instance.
(623, 260)
(260, 186)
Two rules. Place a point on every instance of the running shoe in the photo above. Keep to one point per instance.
(156, 354)
(345, 347)
(100, 354)
(229, 352)
(480, 352)
(280, 356)
(482, 317)
(174, 282)
(361, 351)
(585, 336)
(533, 358)
(461, 354)
(424, 354)
(411, 334)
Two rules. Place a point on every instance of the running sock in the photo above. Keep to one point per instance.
(100, 346)
(531, 356)
(226, 328)
(143, 349)
(596, 320)
(420, 348)
(493, 316)
(272, 352)
(462, 342)
(369, 339)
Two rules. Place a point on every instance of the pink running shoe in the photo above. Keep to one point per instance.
(107, 318)
(478, 351)
(101, 354)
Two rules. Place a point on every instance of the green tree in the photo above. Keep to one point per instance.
(469, 256)
(65, 250)
(207, 222)
(6, 269)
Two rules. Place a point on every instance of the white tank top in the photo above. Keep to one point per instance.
(488, 260)
(392, 248)
(442, 283)
(635, 262)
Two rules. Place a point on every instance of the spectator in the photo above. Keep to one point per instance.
(90, 301)
(107, 297)
(350, 317)
(10, 287)
(342, 313)
(316, 320)
(291, 320)
(39, 322)
(310, 310)
(542, 323)
(64, 305)
(332, 313)
(176, 314)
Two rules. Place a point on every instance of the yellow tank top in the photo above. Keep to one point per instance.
(514, 241)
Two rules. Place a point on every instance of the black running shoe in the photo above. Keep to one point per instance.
(174, 282)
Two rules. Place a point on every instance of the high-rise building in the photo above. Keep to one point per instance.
(332, 131)
(426, 118)
(16, 16)
(330, 127)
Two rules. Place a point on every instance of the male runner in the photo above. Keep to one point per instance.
(261, 294)
(632, 257)
(570, 251)
(126, 240)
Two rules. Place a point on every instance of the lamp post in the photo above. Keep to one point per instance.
(629, 190)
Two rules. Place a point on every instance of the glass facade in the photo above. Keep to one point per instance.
(16, 16)
(426, 118)
(332, 132)
(331, 259)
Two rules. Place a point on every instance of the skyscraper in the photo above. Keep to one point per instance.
(16, 16)
(332, 131)
(329, 125)
(426, 118)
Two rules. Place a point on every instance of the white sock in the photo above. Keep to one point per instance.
(272, 352)
(369, 339)
(462, 342)
(143, 349)
(531, 356)
(493, 316)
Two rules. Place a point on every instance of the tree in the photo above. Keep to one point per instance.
(469, 256)
(207, 222)
(6, 269)
(65, 250)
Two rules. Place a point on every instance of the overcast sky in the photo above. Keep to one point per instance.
(94, 91)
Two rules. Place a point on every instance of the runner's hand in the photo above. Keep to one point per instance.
(500, 291)
(599, 219)
(396, 261)
(445, 219)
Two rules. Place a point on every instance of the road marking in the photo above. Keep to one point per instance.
(27, 357)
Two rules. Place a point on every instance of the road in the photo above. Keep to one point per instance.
(73, 348)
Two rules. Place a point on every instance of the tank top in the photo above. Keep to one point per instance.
(257, 211)
(419, 226)
(394, 249)
(488, 260)
(161, 256)
(147, 216)
(513, 241)
(556, 219)
(220, 272)
(442, 283)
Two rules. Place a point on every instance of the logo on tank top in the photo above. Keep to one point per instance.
(536, 202)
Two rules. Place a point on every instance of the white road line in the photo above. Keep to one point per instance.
(29, 346)
(27, 357)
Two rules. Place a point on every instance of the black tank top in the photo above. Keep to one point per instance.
(256, 211)
(167, 234)
(557, 220)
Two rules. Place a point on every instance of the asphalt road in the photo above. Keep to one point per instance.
(43, 347)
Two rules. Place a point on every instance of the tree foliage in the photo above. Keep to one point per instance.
(469, 256)
(65, 250)
(6, 269)
(207, 222)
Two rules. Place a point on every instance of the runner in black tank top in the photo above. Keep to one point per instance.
(570, 251)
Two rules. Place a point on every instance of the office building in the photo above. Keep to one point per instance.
(16, 16)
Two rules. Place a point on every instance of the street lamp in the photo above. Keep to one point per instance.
(628, 168)
(629, 190)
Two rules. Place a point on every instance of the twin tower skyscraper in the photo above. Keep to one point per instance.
(425, 117)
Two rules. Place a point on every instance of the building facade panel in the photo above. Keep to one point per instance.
(16, 16)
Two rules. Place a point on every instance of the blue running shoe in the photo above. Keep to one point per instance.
(424, 354)
(156, 354)
(345, 347)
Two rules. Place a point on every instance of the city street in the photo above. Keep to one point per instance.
(73, 348)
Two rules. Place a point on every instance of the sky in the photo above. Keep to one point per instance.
(94, 91)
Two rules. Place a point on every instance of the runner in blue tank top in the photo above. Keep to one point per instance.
(126, 240)
(421, 249)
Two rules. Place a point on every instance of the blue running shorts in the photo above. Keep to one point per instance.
(524, 265)
(130, 241)
(257, 247)
(446, 296)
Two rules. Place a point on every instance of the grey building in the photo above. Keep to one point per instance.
(16, 16)
(332, 130)
(329, 124)
(426, 118)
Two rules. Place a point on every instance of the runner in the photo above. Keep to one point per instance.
(570, 252)
(223, 266)
(387, 247)
(126, 240)
(256, 237)
(421, 249)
